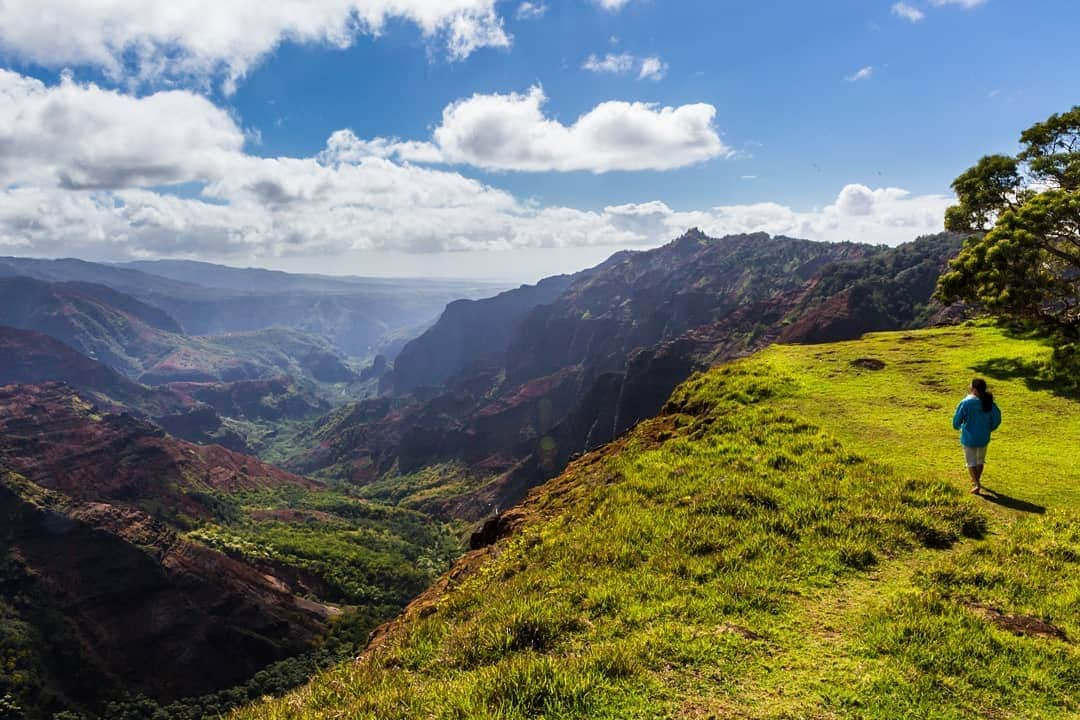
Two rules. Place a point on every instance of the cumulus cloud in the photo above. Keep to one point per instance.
(154, 40)
(511, 132)
(81, 170)
(612, 5)
(908, 12)
(82, 136)
(861, 74)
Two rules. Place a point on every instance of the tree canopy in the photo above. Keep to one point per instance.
(1022, 260)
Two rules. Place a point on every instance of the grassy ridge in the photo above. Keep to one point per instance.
(785, 542)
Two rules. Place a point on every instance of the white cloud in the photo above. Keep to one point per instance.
(531, 11)
(611, 63)
(649, 68)
(155, 40)
(914, 14)
(908, 12)
(859, 214)
(652, 68)
(612, 5)
(511, 132)
(342, 218)
(862, 74)
(82, 136)
(80, 165)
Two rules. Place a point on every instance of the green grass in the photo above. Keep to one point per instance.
(901, 414)
(793, 540)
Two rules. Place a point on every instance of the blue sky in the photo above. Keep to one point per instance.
(208, 137)
(774, 70)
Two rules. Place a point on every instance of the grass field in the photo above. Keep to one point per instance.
(793, 539)
(901, 413)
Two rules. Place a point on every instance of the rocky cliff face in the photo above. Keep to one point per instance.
(469, 336)
(580, 369)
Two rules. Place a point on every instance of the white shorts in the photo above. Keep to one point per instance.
(975, 456)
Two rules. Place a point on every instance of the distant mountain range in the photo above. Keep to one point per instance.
(359, 316)
(501, 393)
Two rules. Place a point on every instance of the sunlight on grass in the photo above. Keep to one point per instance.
(901, 414)
(791, 539)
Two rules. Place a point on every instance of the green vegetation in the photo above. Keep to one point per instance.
(425, 489)
(364, 553)
(789, 541)
(1026, 266)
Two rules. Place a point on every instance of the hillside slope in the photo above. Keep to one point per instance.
(790, 538)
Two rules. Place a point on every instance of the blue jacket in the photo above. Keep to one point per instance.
(975, 424)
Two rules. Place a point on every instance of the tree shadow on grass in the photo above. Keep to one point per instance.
(1010, 502)
(1034, 375)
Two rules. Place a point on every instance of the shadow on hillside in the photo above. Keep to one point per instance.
(1011, 502)
(1033, 374)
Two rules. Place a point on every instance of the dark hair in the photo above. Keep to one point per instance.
(987, 397)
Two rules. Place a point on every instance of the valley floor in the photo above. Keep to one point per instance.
(793, 538)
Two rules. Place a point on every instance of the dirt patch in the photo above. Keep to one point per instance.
(730, 629)
(869, 364)
(1027, 625)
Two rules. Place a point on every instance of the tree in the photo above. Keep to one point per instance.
(1022, 260)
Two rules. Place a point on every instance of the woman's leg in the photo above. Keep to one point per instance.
(980, 466)
(974, 466)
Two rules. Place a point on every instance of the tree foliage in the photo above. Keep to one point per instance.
(1022, 260)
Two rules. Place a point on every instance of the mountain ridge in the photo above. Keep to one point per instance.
(360, 316)
(581, 369)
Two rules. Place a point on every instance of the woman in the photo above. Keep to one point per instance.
(976, 417)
